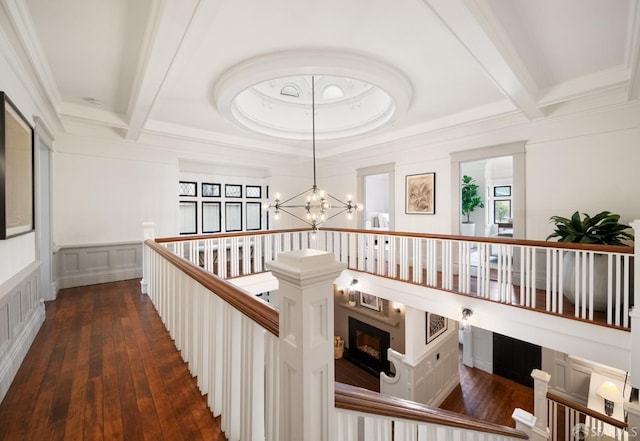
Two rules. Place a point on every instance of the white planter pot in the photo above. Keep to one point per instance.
(600, 290)
(467, 229)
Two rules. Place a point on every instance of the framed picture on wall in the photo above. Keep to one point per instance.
(420, 194)
(436, 325)
(369, 301)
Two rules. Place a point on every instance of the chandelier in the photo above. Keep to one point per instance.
(317, 205)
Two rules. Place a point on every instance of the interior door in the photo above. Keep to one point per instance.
(515, 359)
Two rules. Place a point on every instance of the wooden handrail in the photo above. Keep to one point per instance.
(257, 310)
(225, 235)
(366, 401)
(492, 240)
(587, 411)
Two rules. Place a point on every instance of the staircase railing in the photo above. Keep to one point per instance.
(230, 341)
(530, 274)
(571, 421)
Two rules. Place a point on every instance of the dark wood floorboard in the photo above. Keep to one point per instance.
(103, 367)
(481, 395)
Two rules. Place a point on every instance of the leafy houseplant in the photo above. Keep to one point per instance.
(470, 197)
(605, 229)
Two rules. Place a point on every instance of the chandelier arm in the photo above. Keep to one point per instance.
(336, 199)
(337, 214)
(297, 217)
(298, 195)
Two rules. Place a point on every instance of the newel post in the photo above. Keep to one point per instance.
(307, 391)
(540, 430)
(148, 232)
(634, 314)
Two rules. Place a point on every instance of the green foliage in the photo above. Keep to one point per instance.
(470, 197)
(604, 228)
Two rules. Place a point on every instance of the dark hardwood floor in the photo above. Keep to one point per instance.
(481, 395)
(103, 367)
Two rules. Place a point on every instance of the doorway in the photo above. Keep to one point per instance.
(515, 359)
(376, 188)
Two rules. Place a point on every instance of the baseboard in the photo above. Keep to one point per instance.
(485, 366)
(94, 279)
(445, 392)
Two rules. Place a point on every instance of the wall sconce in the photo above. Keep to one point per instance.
(610, 393)
(466, 313)
(352, 292)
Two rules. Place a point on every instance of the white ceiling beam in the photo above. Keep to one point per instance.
(172, 33)
(473, 23)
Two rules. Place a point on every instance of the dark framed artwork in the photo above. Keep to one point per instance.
(420, 194)
(369, 301)
(17, 213)
(436, 325)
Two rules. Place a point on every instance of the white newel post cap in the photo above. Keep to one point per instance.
(304, 267)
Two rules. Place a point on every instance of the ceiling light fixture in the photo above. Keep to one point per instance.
(317, 203)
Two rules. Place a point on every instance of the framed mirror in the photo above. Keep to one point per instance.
(16, 172)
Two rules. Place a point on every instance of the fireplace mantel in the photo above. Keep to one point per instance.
(369, 313)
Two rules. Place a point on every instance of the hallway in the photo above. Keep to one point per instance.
(103, 367)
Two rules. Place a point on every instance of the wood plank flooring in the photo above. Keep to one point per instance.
(103, 367)
(481, 395)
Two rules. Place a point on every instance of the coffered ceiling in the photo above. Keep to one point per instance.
(167, 67)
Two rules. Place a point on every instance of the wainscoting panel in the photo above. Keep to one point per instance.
(83, 265)
(570, 375)
(21, 315)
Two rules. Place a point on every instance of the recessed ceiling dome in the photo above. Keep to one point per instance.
(353, 95)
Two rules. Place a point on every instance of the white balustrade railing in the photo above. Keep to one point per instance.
(234, 358)
(533, 274)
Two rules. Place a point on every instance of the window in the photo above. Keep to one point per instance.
(188, 217)
(233, 216)
(187, 188)
(502, 211)
(254, 216)
(253, 191)
(502, 191)
(211, 217)
(210, 190)
(233, 191)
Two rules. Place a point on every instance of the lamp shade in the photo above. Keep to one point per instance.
(608, 391)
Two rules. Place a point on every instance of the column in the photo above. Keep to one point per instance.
(307, 392)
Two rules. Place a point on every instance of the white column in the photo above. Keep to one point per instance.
(148, 232)
(634, 315)
(307, 392)
(540, 430)
(467, 346)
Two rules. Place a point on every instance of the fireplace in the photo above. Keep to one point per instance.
(368, 346)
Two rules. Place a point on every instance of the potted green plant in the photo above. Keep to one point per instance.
(471, 200)
(605, 229)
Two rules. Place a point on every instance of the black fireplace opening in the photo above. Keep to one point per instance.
(368, 347)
